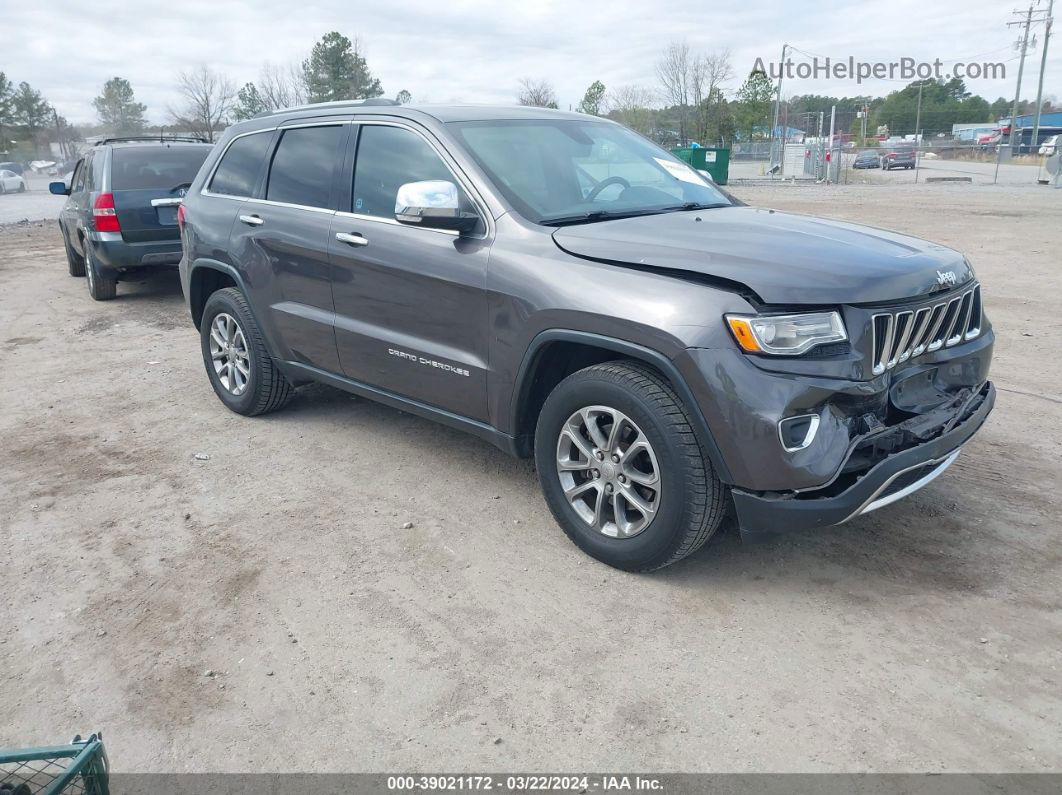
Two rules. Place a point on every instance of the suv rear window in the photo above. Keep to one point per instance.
(238, 170)
(155, 167)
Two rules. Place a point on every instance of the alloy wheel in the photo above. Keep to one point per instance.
(228, 353)
(608, 471)
(90, 271)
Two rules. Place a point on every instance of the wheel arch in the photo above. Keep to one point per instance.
(205, 279)
(540, 372)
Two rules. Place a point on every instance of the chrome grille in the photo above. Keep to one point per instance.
(903, 335)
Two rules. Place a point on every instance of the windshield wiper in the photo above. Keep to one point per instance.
(595, 215)
(693, 206)
(608, 215)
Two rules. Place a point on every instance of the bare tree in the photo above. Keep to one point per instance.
(707, 76)
(206, 101)
(537, 93)
(631, 106)
(282, 86)
(674, 70)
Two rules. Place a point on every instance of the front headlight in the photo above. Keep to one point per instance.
(786, 335)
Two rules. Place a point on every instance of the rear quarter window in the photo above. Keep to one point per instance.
(155, 167)
(237, 173)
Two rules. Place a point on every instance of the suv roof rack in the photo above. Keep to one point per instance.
(158, 139)
(334, 104)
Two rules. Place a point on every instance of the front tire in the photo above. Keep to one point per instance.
(238, 365)
(622, 470)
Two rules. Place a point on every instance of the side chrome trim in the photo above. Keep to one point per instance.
(382, 219)
(875, 502)
(166, 202)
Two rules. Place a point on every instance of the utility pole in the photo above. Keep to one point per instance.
(774, 124)
(918, 127)
(1047, 20)
(830, 152)
(1024, 45)
(918, 113)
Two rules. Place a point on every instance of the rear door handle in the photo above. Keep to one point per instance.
(252, 220)
(354, 240)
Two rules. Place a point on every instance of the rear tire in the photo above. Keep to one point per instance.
(239, 367)
(75, 263)
(687, 500)
(102, 285)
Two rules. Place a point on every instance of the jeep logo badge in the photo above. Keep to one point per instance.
(947, 278)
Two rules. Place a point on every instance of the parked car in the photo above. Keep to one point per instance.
(1049, 145)
(898, 157)
(663, 351)
(10, 165)
(868, 159)
(121, 214)
(10, 182)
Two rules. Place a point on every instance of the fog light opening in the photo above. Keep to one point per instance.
(797, 433)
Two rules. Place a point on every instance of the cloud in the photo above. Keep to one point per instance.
(476, 51)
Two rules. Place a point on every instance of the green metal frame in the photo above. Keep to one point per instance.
(88, 762)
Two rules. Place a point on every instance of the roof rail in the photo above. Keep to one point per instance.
(334, 104)
(158, 139)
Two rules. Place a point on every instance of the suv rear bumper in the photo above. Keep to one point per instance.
(114, 253)
(900, 474)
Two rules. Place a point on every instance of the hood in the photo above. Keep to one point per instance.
(784, 258)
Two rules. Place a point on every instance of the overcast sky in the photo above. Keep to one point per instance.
(476, 51)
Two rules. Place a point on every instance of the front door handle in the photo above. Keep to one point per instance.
(354, 240)
(252, 220)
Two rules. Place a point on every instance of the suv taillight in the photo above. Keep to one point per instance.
(180, 217)
(104, 215)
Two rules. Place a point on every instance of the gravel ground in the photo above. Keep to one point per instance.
(264, 608)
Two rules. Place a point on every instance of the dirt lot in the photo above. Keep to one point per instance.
(925, 637)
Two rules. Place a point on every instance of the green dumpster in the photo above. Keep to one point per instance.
(715, 161)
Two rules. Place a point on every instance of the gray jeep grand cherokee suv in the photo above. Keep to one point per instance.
(561, 287)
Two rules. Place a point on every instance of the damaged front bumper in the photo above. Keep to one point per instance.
(907, 457)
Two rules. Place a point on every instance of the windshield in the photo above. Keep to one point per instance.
(558, 171)
(155, 167)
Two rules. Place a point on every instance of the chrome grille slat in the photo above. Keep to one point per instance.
(904, 323)
(951, 314)
(897, 337)
(973, 328)
(962, 318)
(881, 355)
(934, 326)
(920, 324)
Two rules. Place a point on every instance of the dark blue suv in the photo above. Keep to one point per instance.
(121, 216)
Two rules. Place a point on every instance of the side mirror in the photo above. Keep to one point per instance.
(433, 203)
(59, 188)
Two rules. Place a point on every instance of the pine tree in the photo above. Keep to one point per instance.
(336, 70)
(592, 99)
(118, 110)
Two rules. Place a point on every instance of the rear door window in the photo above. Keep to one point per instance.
(237, 174)
(304, 165)
(155, 167)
